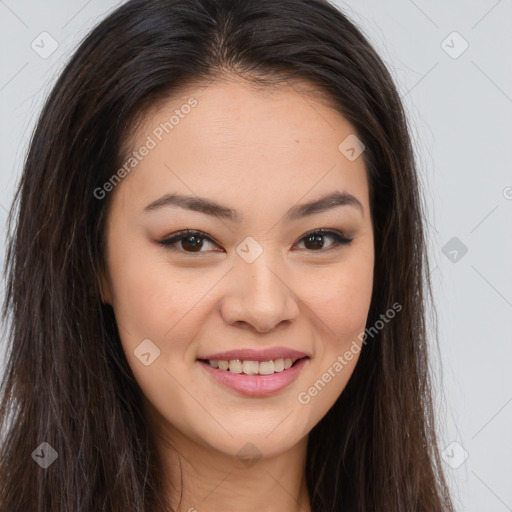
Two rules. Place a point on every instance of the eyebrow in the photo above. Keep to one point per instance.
(209, 207)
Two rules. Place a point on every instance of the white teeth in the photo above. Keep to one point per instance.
(253, 367)
(249, 367)
(265, 367)
(235, 366)
(278, 365)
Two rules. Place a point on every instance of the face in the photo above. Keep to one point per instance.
(255, 273)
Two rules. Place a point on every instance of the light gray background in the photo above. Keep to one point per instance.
(460, 110)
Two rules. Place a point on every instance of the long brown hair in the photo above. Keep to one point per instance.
(67, 381)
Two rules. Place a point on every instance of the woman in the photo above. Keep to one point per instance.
(216, 277)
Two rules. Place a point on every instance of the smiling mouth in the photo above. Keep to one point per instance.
(246, 367)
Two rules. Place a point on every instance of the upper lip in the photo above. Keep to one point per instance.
(248, 354)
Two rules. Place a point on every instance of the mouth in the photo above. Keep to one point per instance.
(250, 367)
(254, 378)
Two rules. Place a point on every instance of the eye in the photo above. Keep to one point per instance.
(192, 241)
(315, 239)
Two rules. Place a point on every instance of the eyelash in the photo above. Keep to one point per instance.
(168, 243)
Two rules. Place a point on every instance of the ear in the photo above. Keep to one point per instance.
(105, 289)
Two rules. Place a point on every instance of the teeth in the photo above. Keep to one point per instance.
(248, 367)
(235, 366)
(253, 367)
(278, 365)
(222, 365)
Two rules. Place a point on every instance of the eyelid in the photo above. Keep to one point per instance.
(340, 240)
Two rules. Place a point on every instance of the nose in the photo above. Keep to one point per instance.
(259, 296)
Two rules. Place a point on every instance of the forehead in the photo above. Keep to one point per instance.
(229, 137)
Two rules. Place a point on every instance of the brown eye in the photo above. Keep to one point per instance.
(314, 240)
(191, 241)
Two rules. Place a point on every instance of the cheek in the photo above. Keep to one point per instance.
(340, 307)
(139, 298)
(148, 298)
(156, 302)
(341, 298)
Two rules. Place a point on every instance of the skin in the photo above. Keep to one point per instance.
(260, 152)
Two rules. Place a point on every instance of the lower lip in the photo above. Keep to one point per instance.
(256, 385)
